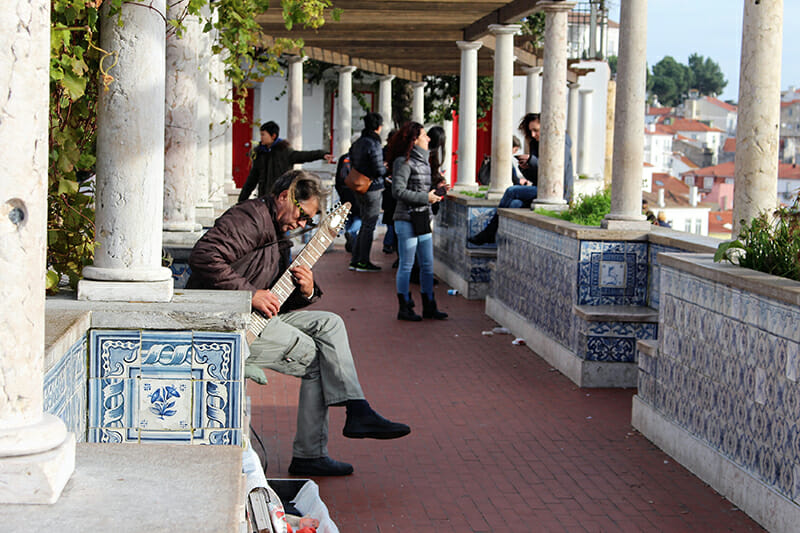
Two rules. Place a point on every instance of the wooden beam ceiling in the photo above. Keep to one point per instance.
(407, 38)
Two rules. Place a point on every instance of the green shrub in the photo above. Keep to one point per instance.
(769, 243)
(586, 210)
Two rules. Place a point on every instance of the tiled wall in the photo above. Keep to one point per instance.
(65, 389)
(727, 371)
(454, 223)
(165, 386)
(654, 273)
(542, 274)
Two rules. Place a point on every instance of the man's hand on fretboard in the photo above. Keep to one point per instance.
(267, 302)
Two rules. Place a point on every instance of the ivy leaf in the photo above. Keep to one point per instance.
(75, 85)
(723, 249)
(79, 66)
(51, 280)
(66, 186)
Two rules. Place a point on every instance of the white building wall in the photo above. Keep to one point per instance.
(689, 219)
(272, 103)
(787, 190)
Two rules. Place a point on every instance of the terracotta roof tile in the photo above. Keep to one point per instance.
(720, 103)
(730, 145)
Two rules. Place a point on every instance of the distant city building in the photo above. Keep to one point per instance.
(790, 125)
(706, 178)
(680, 204)
(710, 111)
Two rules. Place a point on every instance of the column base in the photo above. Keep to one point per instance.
(126, 291)
(156, 273)
(181, 238)
(550, 204)
(37, 478)
(181, 227)
(461, 187)
(626, 222)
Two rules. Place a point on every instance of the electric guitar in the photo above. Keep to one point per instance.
(311, 252)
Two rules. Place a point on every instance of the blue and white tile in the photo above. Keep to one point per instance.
(218, 355)
(113, 402)
(114, 435)
(223, 437)
(165, 404)
(166, 437)
(166, 354)
(113, 353)
(217, 404)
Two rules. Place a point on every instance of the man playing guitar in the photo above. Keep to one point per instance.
(246, 250)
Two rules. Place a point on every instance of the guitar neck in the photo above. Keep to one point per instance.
(284, 287)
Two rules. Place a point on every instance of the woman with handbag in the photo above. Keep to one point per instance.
(411, 180)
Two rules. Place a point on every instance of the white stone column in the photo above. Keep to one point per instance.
(343, 129)
(130, 162)
(467, 115)
(294, 119)
(502, 107)
(385, 103)
(554, 103)
(533, 93)
(229, 185)
(447, 167)
(180, 134)
(585, 133)
(204, 210)
(628, 159)
(756, 173)
(218, 92)
(572, 118)
(418, 102)
(37, 455)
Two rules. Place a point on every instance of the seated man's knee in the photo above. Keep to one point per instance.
(516, 203)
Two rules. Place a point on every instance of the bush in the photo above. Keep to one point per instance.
(769, 243)
(586, 210)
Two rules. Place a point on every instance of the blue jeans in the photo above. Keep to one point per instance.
(352, 226)
(518, 196)
(409, 245)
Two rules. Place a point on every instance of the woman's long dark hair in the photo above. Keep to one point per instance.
(436, 148)
(403, 141)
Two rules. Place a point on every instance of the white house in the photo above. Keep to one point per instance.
(658, 147)
(680, 204)
(713, 112)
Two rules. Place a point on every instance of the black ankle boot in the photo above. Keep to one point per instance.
(487, 236)
(410, 301)
(429, 309)
(405, 312)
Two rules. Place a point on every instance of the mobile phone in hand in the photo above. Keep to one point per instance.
(440, 191)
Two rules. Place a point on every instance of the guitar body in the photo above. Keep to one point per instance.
(308, 256)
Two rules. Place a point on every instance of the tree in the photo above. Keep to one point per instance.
(707, 76)
(670, 81)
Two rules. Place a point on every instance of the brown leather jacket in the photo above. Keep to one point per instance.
(243, 252)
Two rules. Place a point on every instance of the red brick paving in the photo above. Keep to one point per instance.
(500, 441)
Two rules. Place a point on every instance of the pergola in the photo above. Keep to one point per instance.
(410, 38)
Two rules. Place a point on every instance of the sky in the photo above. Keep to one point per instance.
(713, 28)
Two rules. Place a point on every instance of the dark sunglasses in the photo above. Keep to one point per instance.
(304, 217)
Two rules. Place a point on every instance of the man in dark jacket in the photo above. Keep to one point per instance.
(246, 250)
(273, 157)
(366, 156)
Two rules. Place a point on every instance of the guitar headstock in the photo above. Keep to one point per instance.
(334, 222)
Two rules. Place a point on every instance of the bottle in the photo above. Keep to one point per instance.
(452, 292)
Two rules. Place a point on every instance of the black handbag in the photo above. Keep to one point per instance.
(420, 221)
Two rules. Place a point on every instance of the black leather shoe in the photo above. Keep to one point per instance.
(373, 426)
(320, 466)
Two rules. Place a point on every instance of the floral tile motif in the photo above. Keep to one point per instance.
(180, 274)
(214, 355)
(112, 353)
(166, 354)
(163, 386)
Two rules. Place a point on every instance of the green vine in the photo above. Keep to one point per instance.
(79, 69)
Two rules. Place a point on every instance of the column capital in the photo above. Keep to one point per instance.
(418, 84)
(386, 77)
(532, 70)
(553, 7)
(297, 59)
(502, 29)
(349, 69)
(573, 85)
(469, 45)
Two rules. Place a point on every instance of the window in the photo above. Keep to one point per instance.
(688, 225)
(708, 183)
(698, 226)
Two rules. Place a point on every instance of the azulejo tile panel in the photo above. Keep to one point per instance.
(477, 219)
(612, 273)
(166, 386)
(64, 391)
(734, 356)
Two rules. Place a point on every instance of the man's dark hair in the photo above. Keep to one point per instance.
(373, 121)
(271, 127)
(515, 142)
(301, 185)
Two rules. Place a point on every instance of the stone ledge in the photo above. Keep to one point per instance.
(62, 329)
(647, 346)
(189, 309)
(760, 501)
(570, 229)
(480, 252)
(616, 313)
(465, 199)
(688, 242)
(134, 488)
(703, 265)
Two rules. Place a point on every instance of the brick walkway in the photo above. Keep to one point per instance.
(500, 441)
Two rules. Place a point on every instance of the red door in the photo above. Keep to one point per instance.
(242, 138)
(483, 140)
